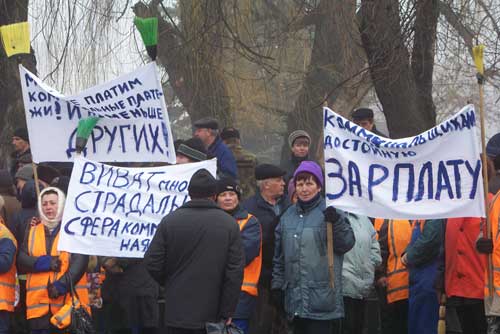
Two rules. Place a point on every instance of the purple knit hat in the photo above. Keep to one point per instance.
(312, 168)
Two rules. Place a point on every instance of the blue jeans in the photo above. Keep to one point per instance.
(242, 324)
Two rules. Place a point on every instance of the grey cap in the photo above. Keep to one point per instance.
(24, 173)
(206, 123)
(297, 134)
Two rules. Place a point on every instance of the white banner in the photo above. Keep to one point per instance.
(134, 124)
(436, 174)
(114, 211)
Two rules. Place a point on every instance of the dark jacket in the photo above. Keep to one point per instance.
(300, 265)
(25, 264)
(268, 219)
(20, 222)
(290, 165)
(9, 208)
(427, 247)
(226, 164)
(251, 238)
(16, 158)
(130, 297)
(7, 254)
(197, 254)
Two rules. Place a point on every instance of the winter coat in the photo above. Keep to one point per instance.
(9, 206)
(427, 247)
(300, 264)
(290, 165)
(226, 164)
(360, 262)
(21, 220)
(268, 219)
(131, 297)
(251, 238)
(465, 267)
(16, 158)
(197, 254)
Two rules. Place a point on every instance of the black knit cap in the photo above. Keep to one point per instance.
(21, 133)
(206, 123)
(202, 184)
(227, 183)
(362, 113)
(268, 171)
(229, 132)
(193, 148)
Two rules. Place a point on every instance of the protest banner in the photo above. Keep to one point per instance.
(436, 174)
(114, 211)
(134, 123)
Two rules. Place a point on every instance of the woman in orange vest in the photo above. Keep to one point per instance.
(49, 271)
(228, 199)
(8, 248)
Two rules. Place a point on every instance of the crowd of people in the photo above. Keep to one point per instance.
(255, 248)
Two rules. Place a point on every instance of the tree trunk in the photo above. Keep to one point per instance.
(12, 113)
(336, 71)
(191, 55)
(404, 88)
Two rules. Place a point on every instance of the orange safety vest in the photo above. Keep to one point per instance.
(38, 302)
(8, 279)
(398, 238)
(494, 215)
(251, 274)
(377, 225)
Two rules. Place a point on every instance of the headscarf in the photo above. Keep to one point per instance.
(51, 224)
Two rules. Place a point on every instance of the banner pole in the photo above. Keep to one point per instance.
(477, 53)
(35, 176)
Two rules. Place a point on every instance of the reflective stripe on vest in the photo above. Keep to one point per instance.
(398, 238)
(494, 215)
(38, 302)
(8, 279)
(252, 270)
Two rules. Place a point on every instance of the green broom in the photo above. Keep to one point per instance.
(148, 28)
(85, 127)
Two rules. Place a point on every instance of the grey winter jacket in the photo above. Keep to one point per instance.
(360, 262)
(300, 264)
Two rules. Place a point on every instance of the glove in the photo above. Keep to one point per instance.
(484, 245)
(47, 263)
(331, 214)
(56, 289)
(278, 298)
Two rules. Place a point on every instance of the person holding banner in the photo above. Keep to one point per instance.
(421, 258)
(228, 199)
(302, 282)
(50, 271)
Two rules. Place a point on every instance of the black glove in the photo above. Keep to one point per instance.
(484, 245)
(278, 298)
(53, 293)
(331, 214)
(55, 264)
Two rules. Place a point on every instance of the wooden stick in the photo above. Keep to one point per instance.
(35, 176)
(329, 240)
(484, 162)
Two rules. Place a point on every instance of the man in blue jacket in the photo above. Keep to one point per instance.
(207, 129)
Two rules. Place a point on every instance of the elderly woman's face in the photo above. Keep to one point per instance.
(50, 205)
(307, 189)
